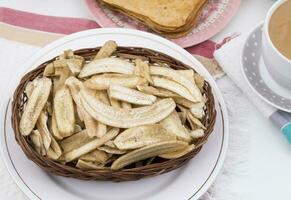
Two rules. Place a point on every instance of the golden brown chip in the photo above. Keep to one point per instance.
(35, 105)
(147, 152)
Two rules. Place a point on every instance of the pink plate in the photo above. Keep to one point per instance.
(214, 18)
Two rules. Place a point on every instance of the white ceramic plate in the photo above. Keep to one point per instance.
(188, 182)
(257, 75)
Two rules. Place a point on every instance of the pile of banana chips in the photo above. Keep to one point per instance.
(111, 112)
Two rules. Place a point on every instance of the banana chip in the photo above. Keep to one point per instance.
(184, 102)
(54, 151)
(194, 122)
(75, 141)
(41, 126)
(102, 82)
(91, 125)
(64, 111)
(37, 142)
(173, 124)
(130, 95)
(111, 150)
(49, 70)
(198, 112)
(110, 143)
(96, 156)
(35, 105)
(199, 80)
(189, 74)
(173, 75)
(178, 154)
(172, 86)
(107, 65)
(54, 128)
(29, 88)
(90, 146)
(126, 118)
(198, 133)
(142, 69)
(160, 92)
(141, 136)
(106, 50)
(147, 152)
(85, 165)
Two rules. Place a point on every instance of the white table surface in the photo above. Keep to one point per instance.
(270, 154)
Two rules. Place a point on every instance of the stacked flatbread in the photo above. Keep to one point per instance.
(171, 18)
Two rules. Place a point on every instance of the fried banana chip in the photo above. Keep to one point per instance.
(54, 151)
(49, 70)
(75, 65)
(199, 80)
(197, 133)
(75, 141)
(91, 125)
(184, 102)
(147, 152)
(64, 111)
(172, 86)
(178, 154)
(29, 88)
(141, 136)
(106, 50)
(126, 118)
(194, 122)
(130, 95)
(197, 111)
(173, 124)
(86, 165)
(94, 128)
(41, 126)
(63, 74)
(107, 65)
(187, 73)
(173, 75)
(97, 156)
(90, 146)
(75, 85)
(111, 150)
(142, 69)
(111, 144)
(35, 105)
(54, 128)
(102, 82)
(160, 92)
(37, 142)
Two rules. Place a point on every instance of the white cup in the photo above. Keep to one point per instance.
(276, 63)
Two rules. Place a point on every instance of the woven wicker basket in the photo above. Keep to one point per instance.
(158, 166)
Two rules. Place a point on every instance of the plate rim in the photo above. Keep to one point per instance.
(226, 18)
(246, 78)
(178, 49)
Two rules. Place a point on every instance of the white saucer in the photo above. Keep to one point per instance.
(256, 74)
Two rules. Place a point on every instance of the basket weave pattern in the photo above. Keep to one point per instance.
(159, 166)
